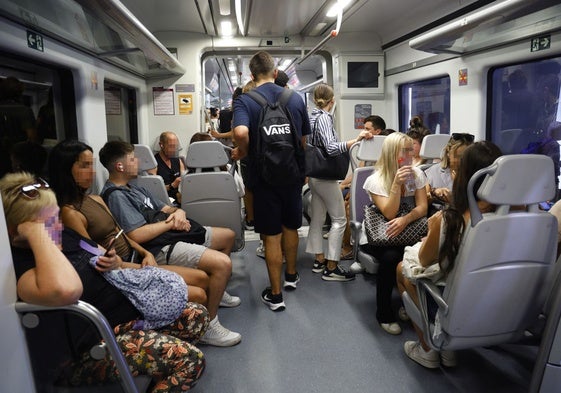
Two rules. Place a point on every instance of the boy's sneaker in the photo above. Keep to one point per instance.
(260, 251)
(219, 336)
(318, 266)
(337, 274)
(290, 280)
(274, 302)
(249, 225)
(229, 300)
(415, 352)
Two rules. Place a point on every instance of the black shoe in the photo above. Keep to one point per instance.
(318, 266)
(274, 302)
(249, 225)
(291, 280)
(337, 274)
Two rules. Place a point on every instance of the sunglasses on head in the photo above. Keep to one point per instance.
(31, 191)
(465, 137)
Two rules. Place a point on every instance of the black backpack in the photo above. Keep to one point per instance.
(279, 156)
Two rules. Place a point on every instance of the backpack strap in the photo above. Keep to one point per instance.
(105, 194)
(261, 100)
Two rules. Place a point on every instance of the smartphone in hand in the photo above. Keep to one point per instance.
(112, 242)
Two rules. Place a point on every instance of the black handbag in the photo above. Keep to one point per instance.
(375, 225)
(323, 166)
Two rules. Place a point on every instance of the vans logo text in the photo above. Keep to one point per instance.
(277, 129)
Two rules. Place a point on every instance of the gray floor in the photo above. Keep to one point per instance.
(327, 340)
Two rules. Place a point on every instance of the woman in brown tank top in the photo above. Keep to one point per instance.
(71, 169)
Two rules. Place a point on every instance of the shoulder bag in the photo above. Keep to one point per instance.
(375, 225)
(323, 166)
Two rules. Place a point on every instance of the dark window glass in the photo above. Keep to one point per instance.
(429, 99)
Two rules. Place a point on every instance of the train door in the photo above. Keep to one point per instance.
(120, 112)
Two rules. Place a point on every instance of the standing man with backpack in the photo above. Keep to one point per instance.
(270, 127)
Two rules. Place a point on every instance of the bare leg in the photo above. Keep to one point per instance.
(197, 295)
(404, 285)
(218, 266)
(195, 277)
(290, 248)
(273, 257)
(222, 239)
(248, 203)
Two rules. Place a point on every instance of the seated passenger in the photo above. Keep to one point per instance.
(200, 137)
(434, 249)
(46, 277)
(170, 167)
(135, 210)
(71, 168)
(417, 137)
(386, 187)
(440, 176)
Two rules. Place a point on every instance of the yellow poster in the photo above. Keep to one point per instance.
(185, 104)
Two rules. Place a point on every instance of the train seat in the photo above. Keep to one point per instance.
(211, 198)
(369, 152)
(502, 273)
(432, 147)
(153, 183)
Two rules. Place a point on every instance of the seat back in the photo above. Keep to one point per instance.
(367, 150)
(15, 374)
(432, 146)
(358, 199)
(153, 183)
(211, 198)
(501, 274)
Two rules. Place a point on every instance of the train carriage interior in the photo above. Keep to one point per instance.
(105, 70)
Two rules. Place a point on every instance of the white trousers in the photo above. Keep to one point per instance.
(326, 198)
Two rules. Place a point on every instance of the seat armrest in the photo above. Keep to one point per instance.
(106, 332)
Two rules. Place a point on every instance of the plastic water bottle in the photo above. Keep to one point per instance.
(410, 186)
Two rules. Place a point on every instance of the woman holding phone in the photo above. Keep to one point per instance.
(71, 168)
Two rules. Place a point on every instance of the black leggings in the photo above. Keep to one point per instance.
(388, 258)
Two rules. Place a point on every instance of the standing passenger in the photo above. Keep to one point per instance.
(278, 209)
(326, 195)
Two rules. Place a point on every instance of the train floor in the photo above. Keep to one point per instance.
(327, 340)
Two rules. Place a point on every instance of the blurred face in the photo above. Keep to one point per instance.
(370, 128)
(50, 218)
(83, 169)
(416, 148)
(170, 147)
(130, 164)
(405, 154)
(455, 155)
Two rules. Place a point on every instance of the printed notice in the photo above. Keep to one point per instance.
(185, 104)
(112, 101)
(163, 101)
(362, 111)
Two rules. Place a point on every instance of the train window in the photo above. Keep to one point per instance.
(524, 114)
(37, 103)
(429, 99)
(120, 112)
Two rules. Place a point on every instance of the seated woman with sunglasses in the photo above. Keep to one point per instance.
(49, 272)
(71, 168)
(440, 176)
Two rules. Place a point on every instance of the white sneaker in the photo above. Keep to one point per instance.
(229, 300)
(415, 352)
(356, 268)
(448, 358)
(260, 252)
(391, 328)
(219, 336)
